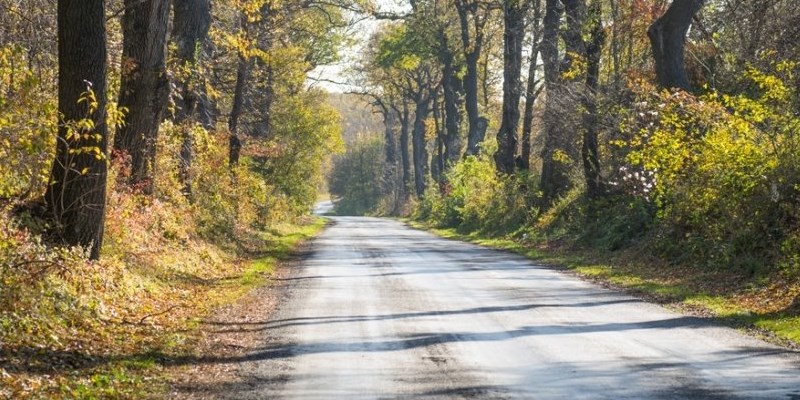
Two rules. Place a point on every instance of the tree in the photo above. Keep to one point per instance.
(77, 190)
(668, 37)
(404, 54)
(191, 22)
(531, 91)
(553, 173)
(144, 88)
(514, 12)
(243, 65)
(472, 17)
(452, 87)
(589, 149)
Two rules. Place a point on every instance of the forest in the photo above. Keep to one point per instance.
(660, 137)
(160, 157)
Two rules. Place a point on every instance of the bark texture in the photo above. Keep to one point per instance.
(472, 16)
(451, 88)
(554, 173)
(514, 12)
(405, 156)
(144, 89)
(668, 38)
(420, 152)
(237, 108)
(531, 92)
(595, 186)
(76, 195)
(191, 21)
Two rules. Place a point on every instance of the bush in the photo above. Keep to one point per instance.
(27, 122)
(476, 198)
(723, 170)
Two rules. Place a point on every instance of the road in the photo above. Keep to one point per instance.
(382, 311)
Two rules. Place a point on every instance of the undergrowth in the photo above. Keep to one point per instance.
(701, 205)
(74, 328)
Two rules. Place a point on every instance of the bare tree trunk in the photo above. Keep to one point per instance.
(667, 39)
(234, 141)
(438, 161)
(77, 191)
(531, 93)
(144, 90)
(514, 12)
(615, 46)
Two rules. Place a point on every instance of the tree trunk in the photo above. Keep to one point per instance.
(191, 22)
(420, 151)
(242, 76)
(472, 53)
(144, 89)
(390, 151)
(404, 145)
(531, 93)
(553, 173)
(390, 141)
(235, 142)
(667, 39)
(575, 46)
(514, 33)
(438, 160)
(77, 192)
(589, 151)
(451, 87)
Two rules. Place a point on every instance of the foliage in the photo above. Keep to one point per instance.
(306, 130)
(476, 198)
(97, 328)
(27, 120)
(723, 170)
(355, 180)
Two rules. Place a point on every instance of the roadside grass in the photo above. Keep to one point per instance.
(127, 322)
(762, 307)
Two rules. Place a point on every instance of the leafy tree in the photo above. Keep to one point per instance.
(405, 52)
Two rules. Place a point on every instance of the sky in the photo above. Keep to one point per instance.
(332, 77)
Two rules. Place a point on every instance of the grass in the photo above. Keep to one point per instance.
(760, 306)
(130, 321)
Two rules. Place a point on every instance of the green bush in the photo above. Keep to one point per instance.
(476, 198)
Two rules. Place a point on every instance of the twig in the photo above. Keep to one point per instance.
(141, 321)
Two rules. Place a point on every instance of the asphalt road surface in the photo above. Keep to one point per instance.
(382, 311)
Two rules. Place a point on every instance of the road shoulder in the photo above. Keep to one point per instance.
(232, 332)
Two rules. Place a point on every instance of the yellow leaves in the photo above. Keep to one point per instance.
(562, 157)
(577, 67)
